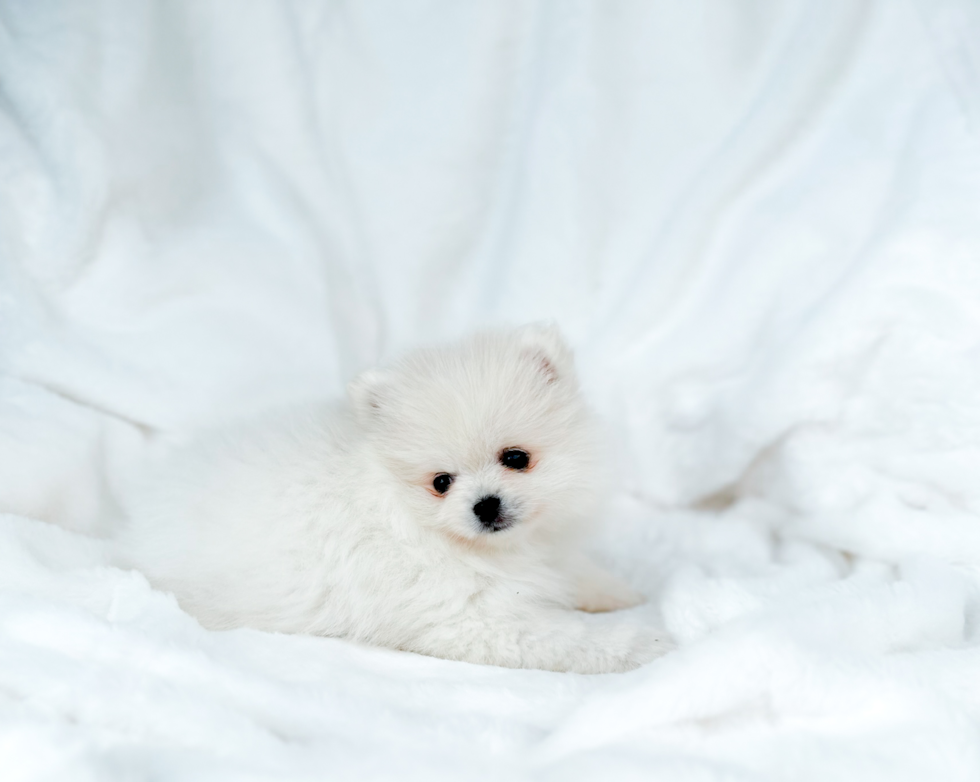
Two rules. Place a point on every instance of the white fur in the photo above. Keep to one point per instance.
(321, 520)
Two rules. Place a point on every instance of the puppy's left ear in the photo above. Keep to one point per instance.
(367, 393)
(544, 344)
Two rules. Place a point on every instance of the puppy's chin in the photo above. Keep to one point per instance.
(509, 535)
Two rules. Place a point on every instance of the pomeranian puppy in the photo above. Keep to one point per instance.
(440, 511)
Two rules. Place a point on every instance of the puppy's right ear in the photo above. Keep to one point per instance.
(367, 393)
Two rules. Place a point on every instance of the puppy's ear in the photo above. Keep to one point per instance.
(544, 344)
(367, 393)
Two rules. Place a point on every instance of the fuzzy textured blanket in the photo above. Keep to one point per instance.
(759, 225)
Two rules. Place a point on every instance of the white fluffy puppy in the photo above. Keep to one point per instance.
(439, 512)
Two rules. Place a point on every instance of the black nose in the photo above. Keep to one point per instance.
(486, 510)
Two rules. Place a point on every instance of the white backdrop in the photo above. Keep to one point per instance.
(757, 222)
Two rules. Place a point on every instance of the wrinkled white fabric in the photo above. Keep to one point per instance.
(759, 225)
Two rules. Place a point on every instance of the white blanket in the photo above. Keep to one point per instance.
(757, 222)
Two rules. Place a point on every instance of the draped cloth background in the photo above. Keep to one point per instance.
(758, 224)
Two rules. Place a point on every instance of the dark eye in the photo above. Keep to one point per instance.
(515, 459)
(442, 482)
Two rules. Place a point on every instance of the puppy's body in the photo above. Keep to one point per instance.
(332, 520)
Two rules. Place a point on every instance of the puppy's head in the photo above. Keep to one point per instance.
(488, 440)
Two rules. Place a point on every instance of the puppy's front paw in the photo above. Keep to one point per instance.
(652, 644)
(599, 591)
(648, 644)
(614, 599)
(628, 646)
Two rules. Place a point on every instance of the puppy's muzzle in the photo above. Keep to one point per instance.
(487, 510)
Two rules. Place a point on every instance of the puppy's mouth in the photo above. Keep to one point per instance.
(499, 524)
